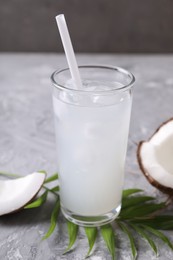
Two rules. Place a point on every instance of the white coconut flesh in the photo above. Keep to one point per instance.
(16, 193)
(156, 155)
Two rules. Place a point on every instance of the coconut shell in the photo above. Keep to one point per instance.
(157, 130)
(152, 181)
(22, 207)
(25, 202)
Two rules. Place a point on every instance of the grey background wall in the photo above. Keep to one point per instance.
(95, 25)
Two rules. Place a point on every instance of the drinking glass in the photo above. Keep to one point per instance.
(91, 127)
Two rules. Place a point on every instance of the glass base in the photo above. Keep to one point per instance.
(91, 221)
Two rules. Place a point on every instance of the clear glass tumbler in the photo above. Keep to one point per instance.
(91, 126)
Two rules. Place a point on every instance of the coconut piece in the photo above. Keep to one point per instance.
(16, 193)
(155, 158)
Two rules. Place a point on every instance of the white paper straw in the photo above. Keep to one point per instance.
(68, 48)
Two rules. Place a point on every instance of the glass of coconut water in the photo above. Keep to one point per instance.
(91, 126)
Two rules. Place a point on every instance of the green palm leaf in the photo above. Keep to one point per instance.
(51, 178)
(142, 233)
(131, 239)
(54, 189)
(10, 175)
(109, 238)
(91, 233)
(129, 192)
(42, 171)
(160, 235)
(38, 202)
(53, 221)
(72, 232)
(140, 210)
(157, 222)
(132, 201)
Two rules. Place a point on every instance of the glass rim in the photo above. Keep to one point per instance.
(115, 68)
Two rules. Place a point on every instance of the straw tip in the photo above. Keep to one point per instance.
(59, 16)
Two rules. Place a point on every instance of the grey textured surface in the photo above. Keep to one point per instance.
(95, 26)
(27, 144)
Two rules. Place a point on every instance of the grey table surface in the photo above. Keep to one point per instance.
(27, 144)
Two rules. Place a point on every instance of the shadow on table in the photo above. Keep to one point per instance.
(28, 217)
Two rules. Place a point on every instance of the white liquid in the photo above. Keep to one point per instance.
(91, 146)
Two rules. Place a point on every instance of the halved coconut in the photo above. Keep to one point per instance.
(155, 158)
(16, 193)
